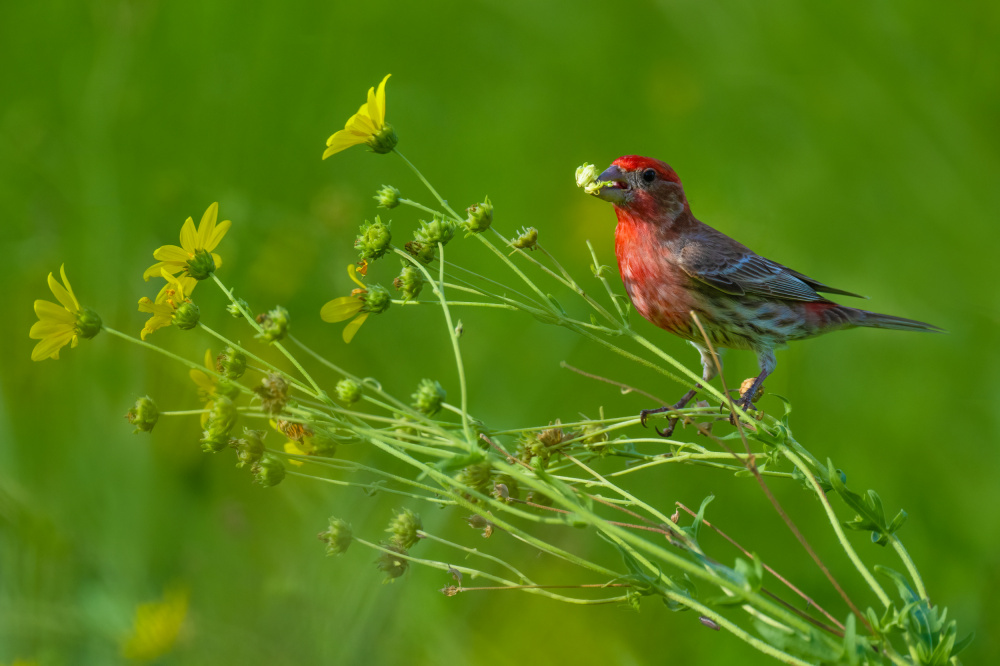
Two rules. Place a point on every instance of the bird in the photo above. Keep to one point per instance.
(672, 265)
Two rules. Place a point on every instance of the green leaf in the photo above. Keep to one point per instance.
(693, 528)
(851, 640)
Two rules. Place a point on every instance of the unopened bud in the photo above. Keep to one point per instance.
(337, 537)
(480, 217)
(273, 324)
(428, 397)
(404, 528)
(143, 415)
(273, 393)
(231, 362)
(268, 471)
(410, 281)
(373, 241)
(422, 252)
(439, 230)
(527, 240)
(391, 564)
(387, 197)
(249, 448)
(234, 308)
(186, 316)
(348, 391)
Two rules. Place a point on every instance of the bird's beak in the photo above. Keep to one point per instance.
(616, 186)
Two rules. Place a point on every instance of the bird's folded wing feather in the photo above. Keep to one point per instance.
(739, 271)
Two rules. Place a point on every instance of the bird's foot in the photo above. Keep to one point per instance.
(672, 423)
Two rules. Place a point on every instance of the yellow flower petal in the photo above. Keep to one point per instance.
(352, 272)
(339, 141)
(217, 259)
(189, 236)
(153, 271)
(213, 240)
(48, 327)
(377, 111)
(351, 329)
(65, 281)
(63, 296)
(293, 448)
(47, 310)
(209, 360)
(50, 346)
(171, 254)
(361, 124)
(206, 229)
(340, 309)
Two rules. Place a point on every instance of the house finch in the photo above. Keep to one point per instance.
(672, 264)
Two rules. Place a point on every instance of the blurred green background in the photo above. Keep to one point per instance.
(856, 142)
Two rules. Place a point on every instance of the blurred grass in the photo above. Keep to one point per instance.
(858, 144)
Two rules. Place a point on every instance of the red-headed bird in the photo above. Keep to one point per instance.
(672, 264)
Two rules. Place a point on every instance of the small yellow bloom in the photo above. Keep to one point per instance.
(157, 626)
(345, 307)
(173, 297)
(367, 126)
(58, 326)
(176, 260)
(294, 449)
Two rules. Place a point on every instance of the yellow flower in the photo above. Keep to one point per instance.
(362, 302)
(58, 326)
(191, 258)
(172, 305)
(293, 448)
(367, 126)
(157, 626)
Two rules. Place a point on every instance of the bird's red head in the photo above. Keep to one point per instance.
(643, 185)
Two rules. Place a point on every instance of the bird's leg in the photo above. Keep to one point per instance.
(707, 372)
(767, 364)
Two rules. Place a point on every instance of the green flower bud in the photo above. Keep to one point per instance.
(88, 323)
(143, 415)
(186, 316)
(231, 363)
(384, 140)
(268, 471)
(527, 240)
(391, 564)
(373, 241)
(201, 265)
(387, 197)
(428, 397)
(476, 477)
(273, 324)
(410, 281)
(348, 391)
(404, 528)
(423, 252)
(221, 420)
(337, 537)
(213, 443)
(595, 437)
(439, 230)
(273, 393)
(234, 308)
(377, 300)
(249, 448)
(480, 217)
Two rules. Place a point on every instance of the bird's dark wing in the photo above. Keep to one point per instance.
(743, 273)
(819, 286)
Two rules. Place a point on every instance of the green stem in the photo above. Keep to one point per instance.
(835, 522)
(910, 566)
(444, 204)
(319, 393)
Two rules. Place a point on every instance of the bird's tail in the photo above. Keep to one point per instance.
(876, 320)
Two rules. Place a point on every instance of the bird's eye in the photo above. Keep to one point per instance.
(649, 175)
